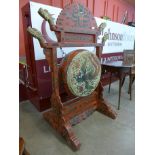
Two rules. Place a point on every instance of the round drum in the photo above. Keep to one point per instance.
(81, 71)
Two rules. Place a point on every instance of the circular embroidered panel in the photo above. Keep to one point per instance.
(81, 71)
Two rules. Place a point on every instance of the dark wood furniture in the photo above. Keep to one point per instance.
(131, 80)
(22, 79)
(35, 85)
(119, 68)
(129, 59)
(75, 27)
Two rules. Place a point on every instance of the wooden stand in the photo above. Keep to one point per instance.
(75, 27)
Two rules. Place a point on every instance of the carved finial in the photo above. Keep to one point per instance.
(46, 15)
(102, 27)
(105, 38)
(36, 34)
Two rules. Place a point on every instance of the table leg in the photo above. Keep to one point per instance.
(130, 87)
(122, 83)
(120, 86)
(110, 81)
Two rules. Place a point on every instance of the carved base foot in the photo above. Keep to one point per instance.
(70, 137)
(106, 109)
(63, 128)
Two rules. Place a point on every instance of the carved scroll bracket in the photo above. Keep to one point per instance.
(47, 16)
(38, 35)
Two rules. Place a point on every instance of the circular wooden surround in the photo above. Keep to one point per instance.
(81, 71)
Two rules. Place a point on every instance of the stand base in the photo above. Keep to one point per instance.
(63, 128)
(106, 109)
(57, 121)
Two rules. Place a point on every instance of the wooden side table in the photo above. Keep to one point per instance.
(121, 69)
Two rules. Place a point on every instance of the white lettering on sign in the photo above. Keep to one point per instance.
(46, 69)
(111, 58)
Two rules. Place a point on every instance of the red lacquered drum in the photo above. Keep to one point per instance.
(81, 72)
